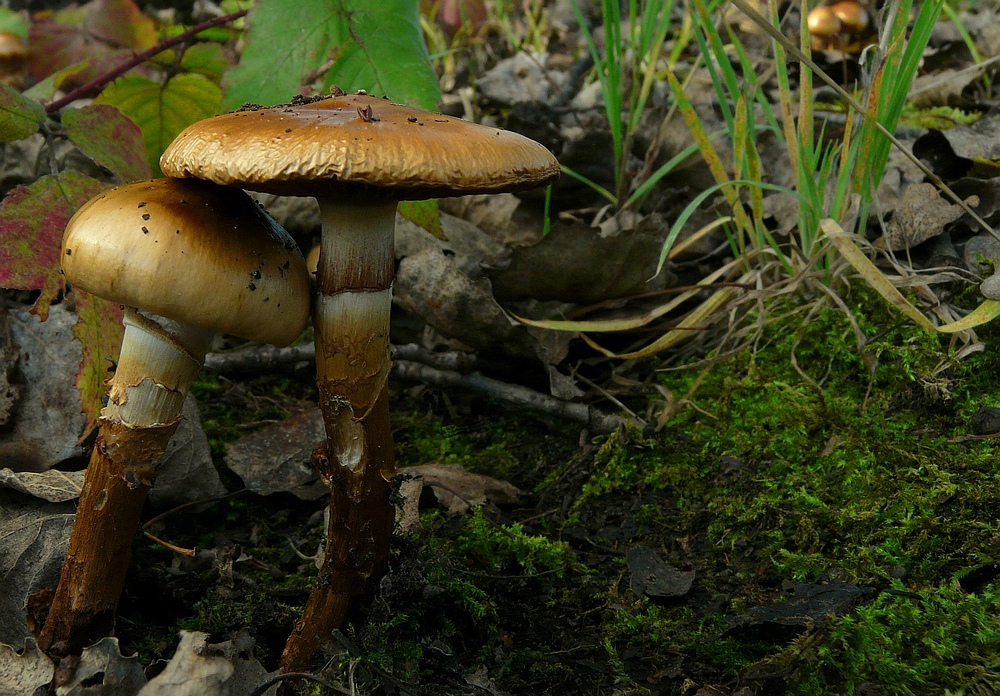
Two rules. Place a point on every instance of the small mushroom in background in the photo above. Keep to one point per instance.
(842, 26)
(13, 59)
(186, 259)
(358, 155)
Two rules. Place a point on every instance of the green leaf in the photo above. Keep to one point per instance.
(19, 116)
(32, 219)
(163, 110)
(284, 42)
(99, 329)
(377, 46)
(15, 22)
(426, 214)
(388, 55)
(208, 59)
(109, 138)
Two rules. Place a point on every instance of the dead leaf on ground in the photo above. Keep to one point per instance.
(456, 489)
(432, 287)
(653, 577)
(574, 263)
(472, 249)
(53, 486)
(104, 670)
(920, 215)
(200, 669)
(278, 458)
(34, 536)
(27, 674)
(48, 420)
(186, 473)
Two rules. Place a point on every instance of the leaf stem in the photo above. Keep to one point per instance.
(103, 79)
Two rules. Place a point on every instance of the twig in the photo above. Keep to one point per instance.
(597, 421)
(415, 364)
(104, 78)
(256, 358)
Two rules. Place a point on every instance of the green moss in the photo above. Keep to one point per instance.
(930, 642)
(424, 439)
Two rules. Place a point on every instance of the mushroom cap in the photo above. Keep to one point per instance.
(351, 145)
(193, 252)
(823, 22)
(853, 17)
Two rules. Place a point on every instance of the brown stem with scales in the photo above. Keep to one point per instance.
(155, 370)
(351, 320)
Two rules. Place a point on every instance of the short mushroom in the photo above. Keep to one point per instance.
(358, 155)
(186, 259)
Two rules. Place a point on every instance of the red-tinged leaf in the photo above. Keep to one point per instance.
(100, 331)
(120, 23)
(100, 29)
(109, 138)
(19, 116)
(32, 219)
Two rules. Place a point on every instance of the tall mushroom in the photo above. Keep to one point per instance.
(187, 259)
(358, 155)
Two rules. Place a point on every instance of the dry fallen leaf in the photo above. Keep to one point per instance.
(278, 458)
(186, 473)
(200, 669)
(27, 674)
(920, 214)
(457, 489)
(104, 670)
(33, 538)
(48, 420)
(53, 486)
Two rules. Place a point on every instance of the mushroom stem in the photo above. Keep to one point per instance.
(159, 360)
(351, 321)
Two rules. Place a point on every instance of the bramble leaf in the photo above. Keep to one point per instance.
(376, 46)
(208, 58)
(284, 41)
(19, 116)
(387, 56)
(99, 330)
(109, 138)
(163, 110)
(97, 30)
(32, 219)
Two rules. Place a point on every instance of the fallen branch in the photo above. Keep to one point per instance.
(597, 421)
(411, 363)
(260, 358)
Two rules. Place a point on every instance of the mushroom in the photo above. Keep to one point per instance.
(358, 155)
(824, 28)
(852, 15)
(186, 259)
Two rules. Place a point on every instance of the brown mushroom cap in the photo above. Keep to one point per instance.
(193, 252)
(853, 17)
(354, 145)
(823, 22)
